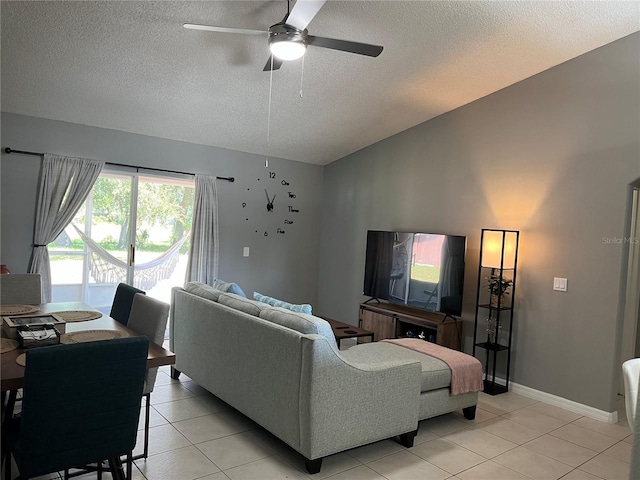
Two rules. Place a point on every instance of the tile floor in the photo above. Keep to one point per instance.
(194, 435)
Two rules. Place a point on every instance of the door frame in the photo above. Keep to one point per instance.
(630, 285)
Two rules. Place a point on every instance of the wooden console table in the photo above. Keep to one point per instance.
(387, 320)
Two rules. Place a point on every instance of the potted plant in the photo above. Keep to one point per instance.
(498, 286)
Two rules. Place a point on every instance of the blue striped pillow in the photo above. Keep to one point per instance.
(274, 302)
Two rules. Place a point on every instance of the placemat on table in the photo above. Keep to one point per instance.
(22, 359)
(18, 309)
(7, 344)
(90, 336)
(78, 315)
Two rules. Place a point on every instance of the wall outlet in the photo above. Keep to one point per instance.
(245, 252)
(560, 284)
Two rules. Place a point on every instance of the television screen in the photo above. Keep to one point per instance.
(420, 270)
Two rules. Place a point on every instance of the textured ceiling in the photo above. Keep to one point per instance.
(131, 66)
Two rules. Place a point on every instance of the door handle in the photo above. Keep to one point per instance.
(132, 255)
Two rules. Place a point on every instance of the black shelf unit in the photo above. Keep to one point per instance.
(497, 311)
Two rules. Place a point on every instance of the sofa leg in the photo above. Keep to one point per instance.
(406, 439)
(469, 412)
(313, 466)
(175, 374)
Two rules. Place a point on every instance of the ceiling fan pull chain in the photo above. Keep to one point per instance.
(301, 76)
(269, 108)
(266, 158)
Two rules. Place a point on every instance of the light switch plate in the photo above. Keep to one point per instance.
(560, 284)
(245, 252)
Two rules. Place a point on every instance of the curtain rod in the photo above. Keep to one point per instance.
(228, 179)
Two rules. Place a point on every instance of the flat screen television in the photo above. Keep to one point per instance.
(419, 270)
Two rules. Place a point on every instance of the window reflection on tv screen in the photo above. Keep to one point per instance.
(420, 270)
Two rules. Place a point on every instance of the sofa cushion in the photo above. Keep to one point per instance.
(300, 322)
(242, 304)
(435, 373)
(203, 290)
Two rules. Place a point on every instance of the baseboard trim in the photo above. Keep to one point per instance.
(586, 410)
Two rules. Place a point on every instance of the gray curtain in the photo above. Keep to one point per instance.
(203, 251)
(65, 183)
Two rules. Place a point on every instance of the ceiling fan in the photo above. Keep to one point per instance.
(289, 38)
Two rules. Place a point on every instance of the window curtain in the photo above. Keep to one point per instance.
(203, 251)
(65, 183)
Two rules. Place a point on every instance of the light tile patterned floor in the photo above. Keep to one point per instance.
(194, 435)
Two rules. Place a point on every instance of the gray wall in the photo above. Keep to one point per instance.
(551, 156)
(283, 266)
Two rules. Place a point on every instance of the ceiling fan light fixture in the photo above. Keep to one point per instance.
(287, 43)
(287, 50)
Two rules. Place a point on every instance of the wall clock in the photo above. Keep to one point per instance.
(278, 211)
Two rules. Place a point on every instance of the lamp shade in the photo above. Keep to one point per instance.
(499, 248)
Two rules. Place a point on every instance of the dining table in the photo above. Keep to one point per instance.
(12, 374)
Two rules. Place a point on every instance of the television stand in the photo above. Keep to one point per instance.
(387, 320)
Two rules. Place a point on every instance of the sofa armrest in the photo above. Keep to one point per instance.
(345, 405)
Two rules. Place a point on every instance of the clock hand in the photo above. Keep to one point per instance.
(269, 201)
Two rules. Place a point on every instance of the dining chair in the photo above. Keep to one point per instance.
(122, 301)
(81, 406)
(148, 317)
(21, 289)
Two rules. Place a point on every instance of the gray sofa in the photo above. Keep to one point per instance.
(284, 371)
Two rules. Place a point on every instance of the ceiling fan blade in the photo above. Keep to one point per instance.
(303, 12)
(277, 63)
(211, 28)
(345, 46)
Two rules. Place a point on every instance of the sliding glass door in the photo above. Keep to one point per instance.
(134, 228)
(164, 211)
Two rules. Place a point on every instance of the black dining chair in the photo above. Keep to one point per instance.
(122, 301)
(81, 406)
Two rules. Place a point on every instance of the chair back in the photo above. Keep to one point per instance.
(122, 301)
(631, 377)
(81, 404)
(21, 289)
(149, 318)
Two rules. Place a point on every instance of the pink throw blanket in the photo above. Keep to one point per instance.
(466, 371)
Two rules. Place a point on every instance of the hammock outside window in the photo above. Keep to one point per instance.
(106, 268)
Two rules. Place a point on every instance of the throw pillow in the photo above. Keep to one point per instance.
(203, 290)
(274, 302)
(228, 287)
(243, 304)
(300, 322)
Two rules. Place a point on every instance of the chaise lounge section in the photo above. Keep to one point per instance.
(283, 370)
